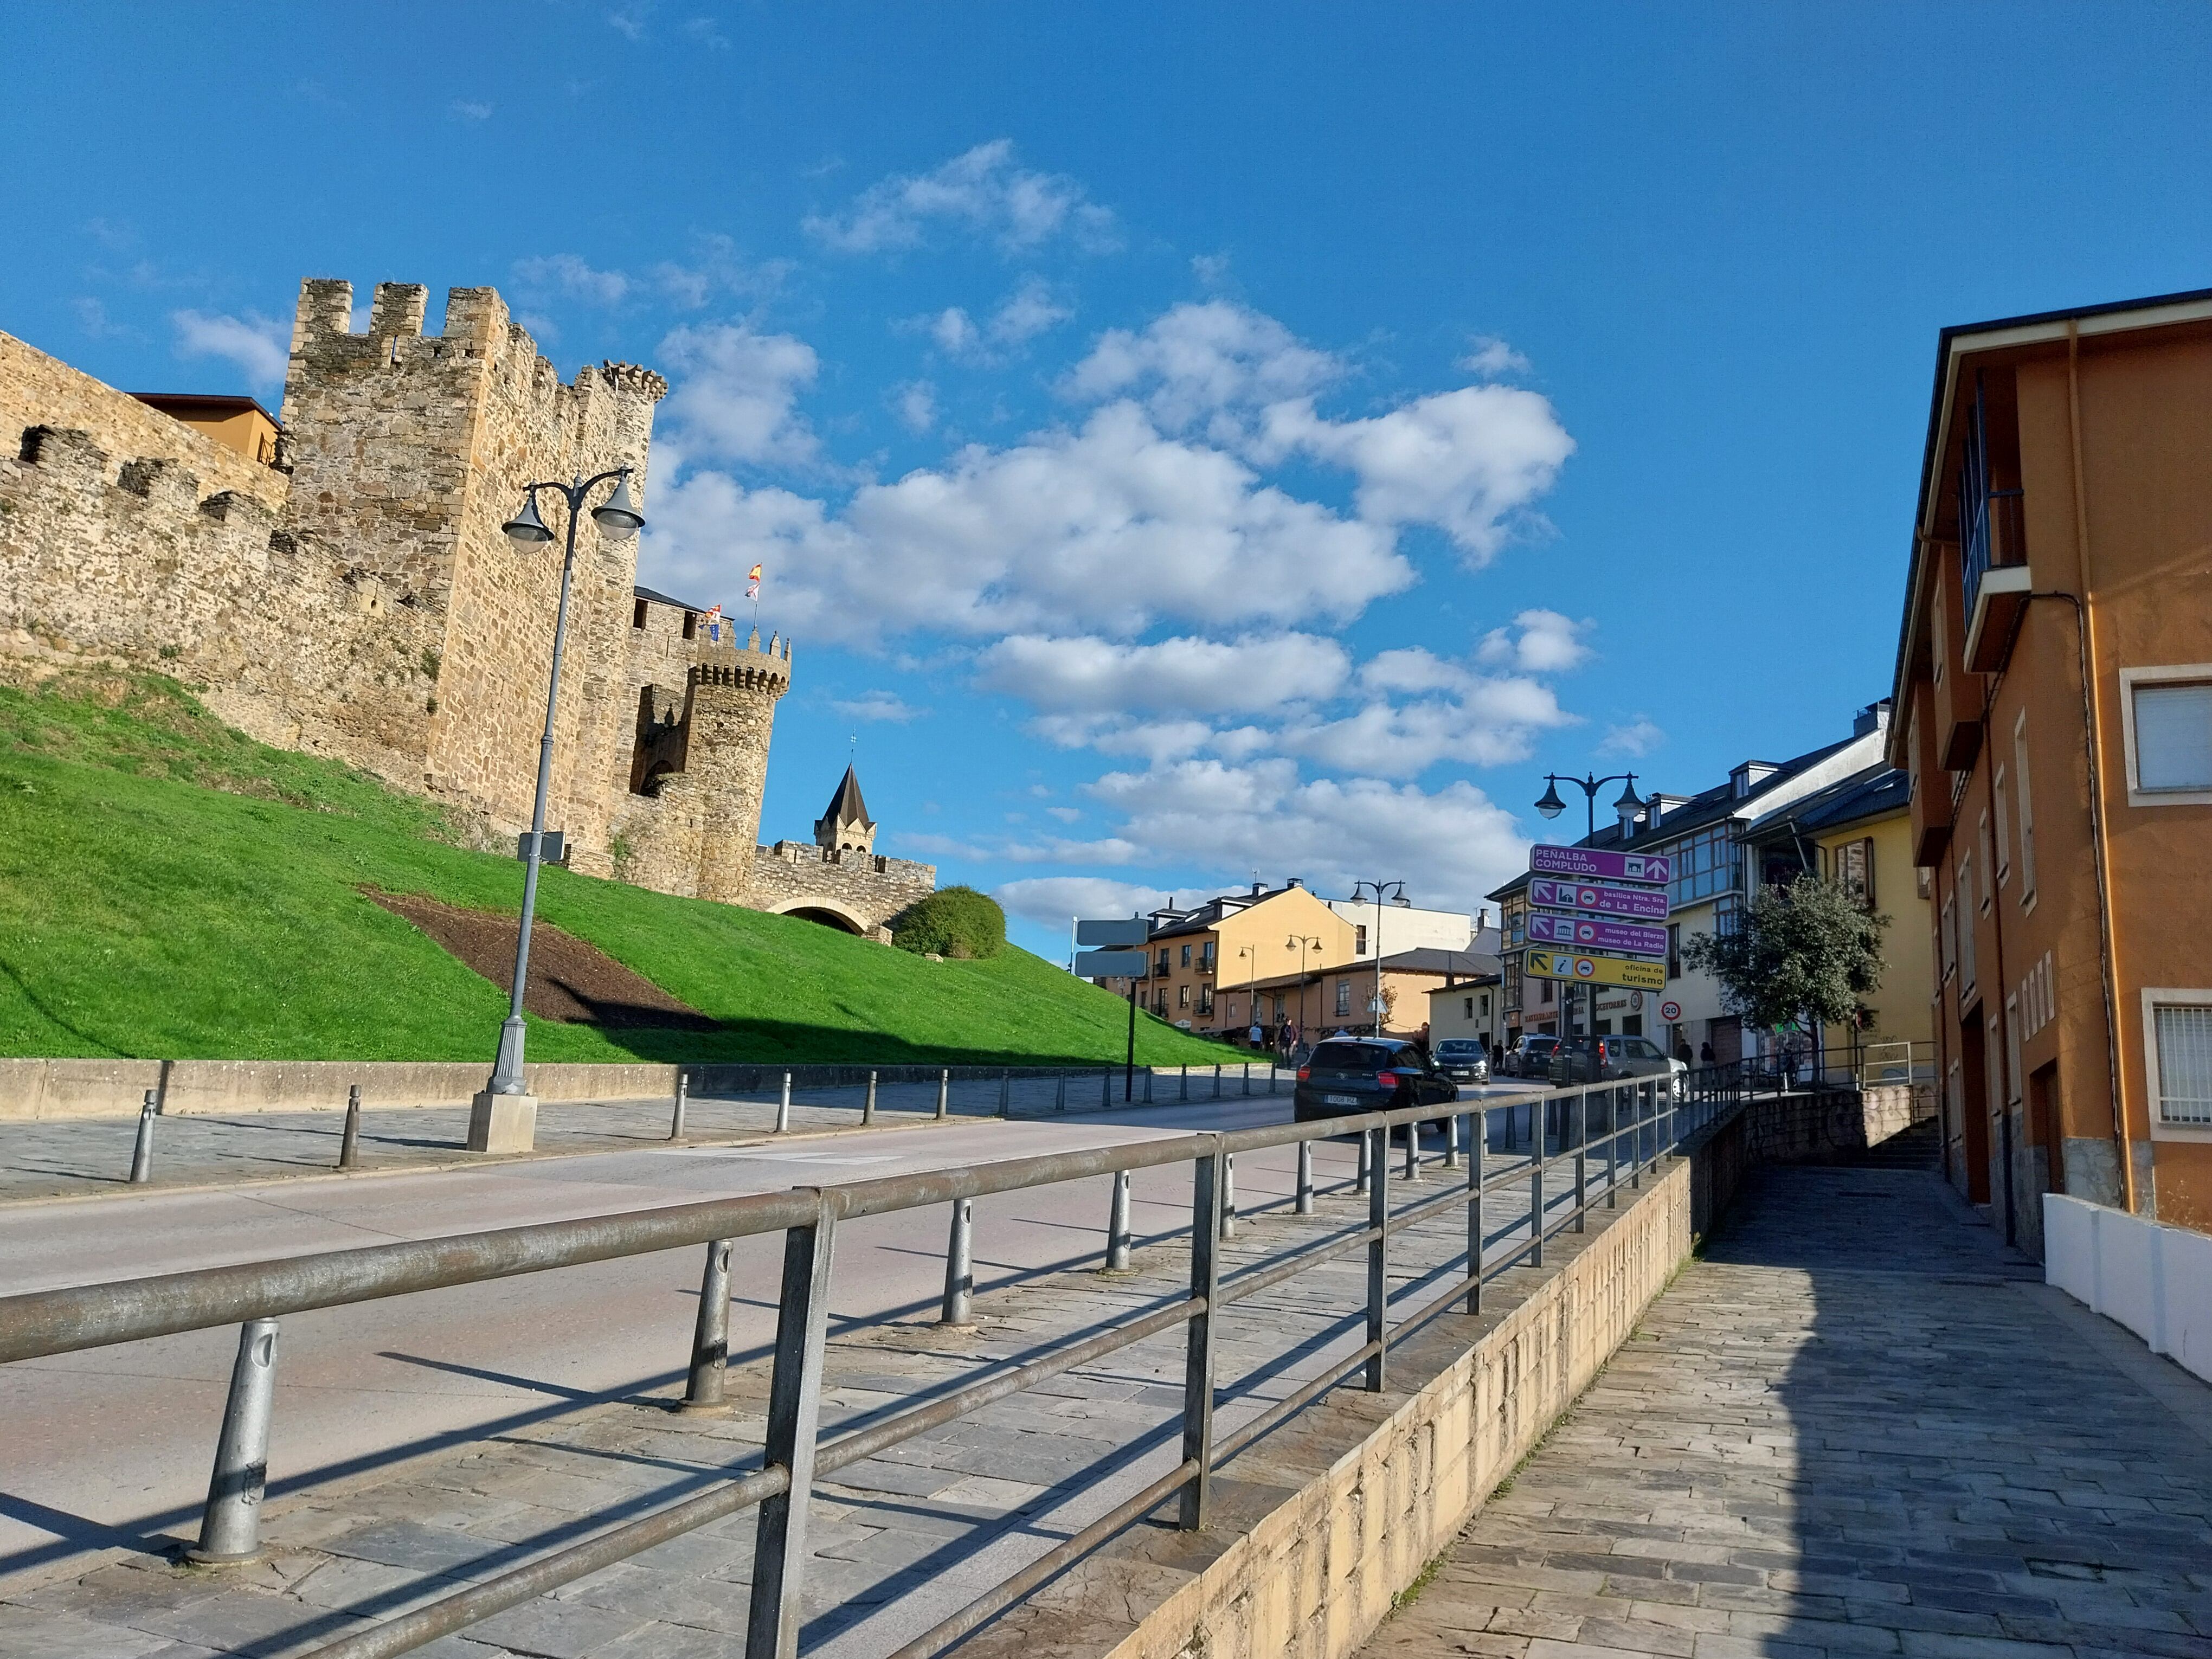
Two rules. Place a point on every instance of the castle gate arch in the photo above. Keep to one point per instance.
(828, 912)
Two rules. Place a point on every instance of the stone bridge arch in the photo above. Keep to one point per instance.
(826, 911)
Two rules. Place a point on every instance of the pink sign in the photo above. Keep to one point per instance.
(1598, 864)
(1587, 934)
(1644, 903)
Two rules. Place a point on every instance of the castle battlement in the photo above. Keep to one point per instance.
(751, 668)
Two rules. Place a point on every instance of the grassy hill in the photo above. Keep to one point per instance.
(170, 888)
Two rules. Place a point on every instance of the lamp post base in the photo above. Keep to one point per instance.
(502, 1123)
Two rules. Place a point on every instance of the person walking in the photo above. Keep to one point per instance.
(1704, 1054)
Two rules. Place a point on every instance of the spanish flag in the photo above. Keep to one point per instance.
(752, 583)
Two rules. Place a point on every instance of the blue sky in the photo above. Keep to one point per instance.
(1181, 441)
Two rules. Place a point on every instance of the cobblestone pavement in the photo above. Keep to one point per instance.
(1859, 1426)
(91, 1157)
(897, 1542)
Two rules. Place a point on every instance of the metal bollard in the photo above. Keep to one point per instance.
(1229, 1195)
(1536, 1213)
(142, 1149)
(1185, 1094)
(1379, 1260)
(1148, 1085)
(1611, 1149)
(783, 1107)
(1478, 1144)
(1216, 1082)
(1117, 1225)
(350, 1142)
(230, 1527)
(1247, 1077)
(959, 1265)
(1451, 1141)
(710, 1337)
(1304, 1201)
(1060, 1096)
(1412, 1152)
(1106, 1089)
(868, 1106)
(1005, 1092)
(945, 1092)
(683, 1100)
(1359, 1181)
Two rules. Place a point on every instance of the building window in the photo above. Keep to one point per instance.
(1160, 1000)
(1206, 956)
(2027, 809)
(1163, 959)
(1545, 993)
(1947, 941)
(1183, 996)
(1705, 863)
(1966, 896)
(1343, 998)
(1359, 939)
(1989, 862)
(1205, 1000)
(1186, 955)
(2169, 734)
(637, 614)
(1513, 981)
(1728, 912)
(2003, 865)
(1485, 1005)
(1468, 1012)
(1854, 869)
(2181, 1055)
(690, 624)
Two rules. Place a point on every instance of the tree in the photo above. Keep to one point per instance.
(953, 921)
(1810, 949)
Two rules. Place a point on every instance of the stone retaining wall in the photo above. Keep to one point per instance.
(45, 1089)
(1323, 1524)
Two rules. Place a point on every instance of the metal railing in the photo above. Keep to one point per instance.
(1641, 1120)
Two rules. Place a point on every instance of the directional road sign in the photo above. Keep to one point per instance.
(1585, 933)
(1584, 970)
(1595, 897)
(1134, 929)
(1110, 964)
(1596, 863)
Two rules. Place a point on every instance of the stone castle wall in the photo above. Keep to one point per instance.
(798, 875)
(359, 599)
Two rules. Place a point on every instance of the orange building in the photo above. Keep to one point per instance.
(2054, 690)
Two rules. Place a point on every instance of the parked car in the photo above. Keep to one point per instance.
(1624, 1057)
(1530, 1057)
(1350, 1075)
(1464, 1060)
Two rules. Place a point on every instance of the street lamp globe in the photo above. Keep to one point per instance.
(1629, 804)
(617, 516)
(1550, 805)
(525, 527)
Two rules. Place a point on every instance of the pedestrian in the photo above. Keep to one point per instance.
(1704, 1054)
(1256, 1036)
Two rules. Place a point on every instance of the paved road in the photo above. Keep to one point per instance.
(111, 1444)
(1858, 1426)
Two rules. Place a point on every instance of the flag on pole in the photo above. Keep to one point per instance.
(753, 583)
(714, 625)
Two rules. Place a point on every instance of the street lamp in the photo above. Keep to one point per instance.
(1304, 942)
(619, 520)
(1395, 890)
(1251, 979)
(1626, 807)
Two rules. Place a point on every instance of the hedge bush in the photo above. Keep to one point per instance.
(953, 921)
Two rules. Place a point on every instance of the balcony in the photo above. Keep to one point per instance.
(1931, 786)
(1995, 551)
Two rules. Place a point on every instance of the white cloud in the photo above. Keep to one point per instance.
(914, 403)
(470, 109)
(1548, 643)
(1465, 461)
(569, 275)
(879, 706)
(735, 397)
(1452, 844)
(1052, 900)
(1201, 360)
(984, 191)
(1491, 357)
(707, 33)
(259, 346)
(1184, 675)
(1064, 814)
(1152, 740)
(1105, 529)
(1637, 739)
(1486, 722)
(1029, 311)
(629, 21)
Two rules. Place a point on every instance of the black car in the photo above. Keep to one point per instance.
(1531, 1057)
(1464, 1060)
(1350, 1075)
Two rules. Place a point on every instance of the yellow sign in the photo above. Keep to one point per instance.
(1579, 970)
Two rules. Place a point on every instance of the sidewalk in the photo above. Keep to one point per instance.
(68, 1157)
(1859, 1426)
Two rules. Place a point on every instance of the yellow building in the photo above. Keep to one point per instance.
(236, 423)
(1859, 832)
(1209, 964)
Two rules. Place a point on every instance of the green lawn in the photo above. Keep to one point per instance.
(170, 888)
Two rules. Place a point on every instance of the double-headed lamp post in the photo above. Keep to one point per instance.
(619, 520)
(1626, 807)
(1395, 892)
(1304, 942)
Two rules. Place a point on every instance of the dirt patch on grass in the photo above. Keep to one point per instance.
(571, 980)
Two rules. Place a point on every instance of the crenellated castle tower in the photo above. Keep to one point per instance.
(352, 595)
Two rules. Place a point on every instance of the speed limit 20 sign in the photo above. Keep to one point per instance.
(1670, 1011)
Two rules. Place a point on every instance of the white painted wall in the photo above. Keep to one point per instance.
(2154, 1279)
(1408, 929)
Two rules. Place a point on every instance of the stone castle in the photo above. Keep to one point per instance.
(337, 582)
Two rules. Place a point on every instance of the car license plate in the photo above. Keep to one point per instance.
(1340, 1100)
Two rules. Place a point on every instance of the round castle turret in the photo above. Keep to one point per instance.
(733, 695)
